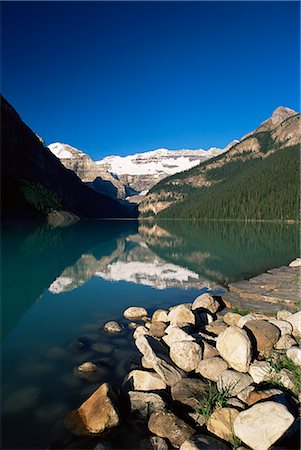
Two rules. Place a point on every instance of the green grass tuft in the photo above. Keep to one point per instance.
(214, 400)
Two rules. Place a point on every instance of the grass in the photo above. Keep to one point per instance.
(241, 312)
(283, 362)
(214, 400)
(235, 441)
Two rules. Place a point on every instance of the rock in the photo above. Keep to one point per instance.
(244, 394)
(133, 325)
(262, 424)
(79, 344)
(186, 355)
(176, 334)
(254, 316)
(166, 425)
(285, 342)
(265, 334)
(198, 418)
(95, 415)
(140, 331)
(233, 382)
(285, 378)
(157, 329)
(202, 442)
(261, 371)
(206, 301)
(90, 371)
(209, 351)
(295, 321)
(231, 318)
(181, 316)
(190, 391)
(145, 364)
(294, 354)
(295, 263)
(154, 443)
(146, 381)
(235, 347)
(256, 396)
(283, 314)
(102, 347)
(236, 403)
(221, 423)
(216, 327)
(160, 315)
(168, 373)
(112, 327)
(212, 368)
(134, 312)
(145, 403)
(284, 326)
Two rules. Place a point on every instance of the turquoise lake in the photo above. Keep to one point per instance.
(60, 285)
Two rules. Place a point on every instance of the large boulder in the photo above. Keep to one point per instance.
(284, 326)
(202, 442)
(181, 315)
(235, 347)
(216, 327)
(96, 415)
(265, 333)
(295, 321)
(160, 315)
(263, 424)
(145, 403)
(186, 354)
(166, 425)
(135, 312)
(231, 318)
(233, 382)
(146, 381)
(206, 301)
(190, 392)
(175, 334)
(221, 422)
(212, 368)
(167, 372)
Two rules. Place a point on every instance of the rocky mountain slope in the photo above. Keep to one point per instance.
(256, 178)
(34, 182)
(142, 171)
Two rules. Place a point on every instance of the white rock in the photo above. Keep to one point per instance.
(254, 316)
(244, 394)
(294, 354)
(295, 320)
(284, 326)
(186, 355)
(209, 351)
(212, 368)
(145, 364)
(160, 315)
(181, 316)
(285, 342)
(263, 424)
(206, 301)
(231, 318)
(146, 381)
(112, 327)
(283, 314)
(234, 346)
(295, 263)
(140, 331)
(261, 371)
(134, 312)
(176, 334)
(233, 382)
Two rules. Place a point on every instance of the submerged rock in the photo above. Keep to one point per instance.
(263, 424)
(235, 347)
(97, 414)
(166, 425)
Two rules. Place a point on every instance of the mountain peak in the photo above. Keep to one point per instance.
(283, 111)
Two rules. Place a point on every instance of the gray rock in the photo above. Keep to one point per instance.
(190, 391)
(261, 371)
(234, 382)
(186, 355)
(263, 424)
(145, 403)
(112, 327)
(285, 342)
(166, 425)
(212, 368)
(235, 347)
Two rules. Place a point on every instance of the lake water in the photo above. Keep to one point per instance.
(60, 285)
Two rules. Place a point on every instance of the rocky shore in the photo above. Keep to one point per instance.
(209, 377)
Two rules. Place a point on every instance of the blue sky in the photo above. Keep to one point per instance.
(117, 78)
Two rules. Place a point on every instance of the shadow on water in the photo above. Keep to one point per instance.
(32, 257)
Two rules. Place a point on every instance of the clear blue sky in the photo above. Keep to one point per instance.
(117, 78)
